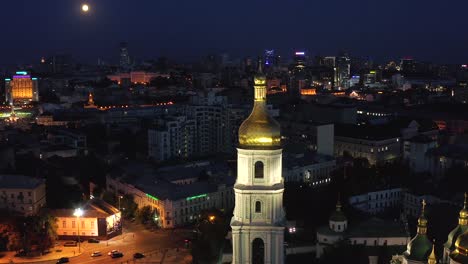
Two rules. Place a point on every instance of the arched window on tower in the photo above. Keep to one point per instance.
(258, 251)
(258, 170)
(258, 207)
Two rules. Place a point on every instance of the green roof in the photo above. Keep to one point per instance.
(338, 216)
(419, 248)
(452, 237)
(375, 227)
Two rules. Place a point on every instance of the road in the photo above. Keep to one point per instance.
(156, 245)
(135, 239)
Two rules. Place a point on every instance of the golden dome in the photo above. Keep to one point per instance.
(260, 129)
(463, 219)
(432, 257)
(461, 245)
(422, 220)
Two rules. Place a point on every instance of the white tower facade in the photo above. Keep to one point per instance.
(258, 221)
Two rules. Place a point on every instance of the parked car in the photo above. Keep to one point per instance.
(112, 252)
(70, 244)
(138, 255)
(93, 240)
(96, 254)
(63, 260)
(117, 255)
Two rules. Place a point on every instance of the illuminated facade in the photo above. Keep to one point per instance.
(136, 77)
(259, 218)
(175, 194)
(99, 220)
(21, 89)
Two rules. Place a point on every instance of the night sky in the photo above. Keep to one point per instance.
(426, 30)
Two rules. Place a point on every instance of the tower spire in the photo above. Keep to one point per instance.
(432, 257)
(463, 218)
(422, 221)
(338, 202)
(259, 66)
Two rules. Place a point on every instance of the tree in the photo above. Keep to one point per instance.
(129, 207)
(145, 214)
(39, 230)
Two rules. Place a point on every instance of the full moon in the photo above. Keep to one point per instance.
(85, 8)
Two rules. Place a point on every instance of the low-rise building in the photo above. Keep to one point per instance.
(444, 157)
(177, 194)
(372, 234)
(374, 143)
(22, 194)
(377, 201)
(310, 168)
(414, 152)
(98, 220)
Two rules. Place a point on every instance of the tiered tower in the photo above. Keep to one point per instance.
(258, 221)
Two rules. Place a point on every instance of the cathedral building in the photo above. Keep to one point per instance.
(420, 247)
(259, 220)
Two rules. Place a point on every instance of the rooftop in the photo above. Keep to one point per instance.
(93, 208)
(375, 227)
(159, 182)
(19, 182)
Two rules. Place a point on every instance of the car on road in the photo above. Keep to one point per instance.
(117, 255)
(63, 260)
(138, 255)
(96, 254)
(93, 240)
(112, 252)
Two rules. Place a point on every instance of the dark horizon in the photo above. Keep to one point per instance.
(185, 30)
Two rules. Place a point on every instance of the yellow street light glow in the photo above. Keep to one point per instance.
(85, 8)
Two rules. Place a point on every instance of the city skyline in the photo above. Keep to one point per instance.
(426, 31)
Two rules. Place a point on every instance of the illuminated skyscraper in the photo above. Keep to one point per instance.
(269, 58)
(21, 89)
(258, 221)
(124, 57)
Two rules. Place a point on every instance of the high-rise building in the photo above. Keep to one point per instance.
(299, 59)
(407, 65)
(269, 58)
(174, 137)
(258, 221)
(124, 57)
(21, 89)
(210, 113)
(343, 70)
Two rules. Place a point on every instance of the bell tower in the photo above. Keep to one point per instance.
(258, 221)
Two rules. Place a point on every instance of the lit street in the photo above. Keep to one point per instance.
(159, 245)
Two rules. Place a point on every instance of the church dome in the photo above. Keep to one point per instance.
(420, 246)
(461, 245)
(338, 215)
(460, 229)
(260, 129)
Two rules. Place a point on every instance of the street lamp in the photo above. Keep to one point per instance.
(120, 219)
(78, 213)
(120, 197)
